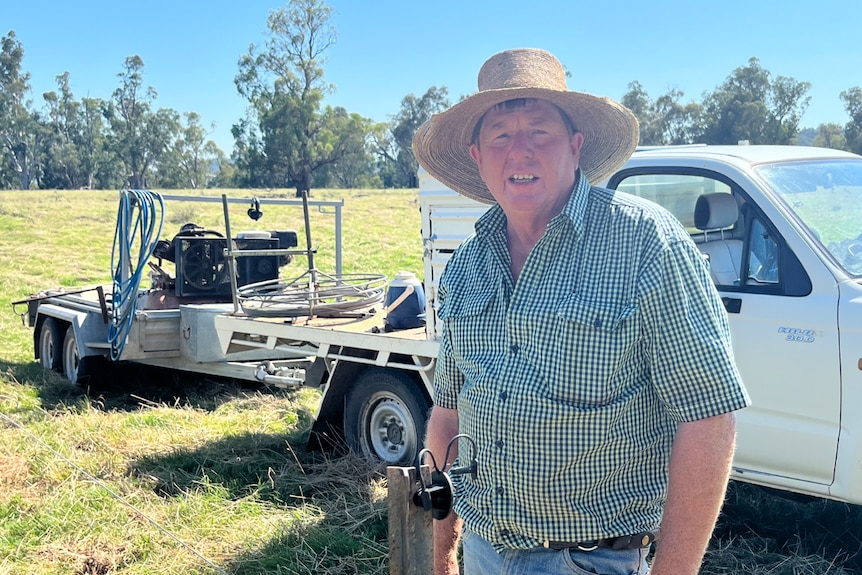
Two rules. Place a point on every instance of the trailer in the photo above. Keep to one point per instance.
(231, 309)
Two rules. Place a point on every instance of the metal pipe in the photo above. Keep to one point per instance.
(231, 263)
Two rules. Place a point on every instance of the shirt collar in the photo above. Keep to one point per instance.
(494, 220)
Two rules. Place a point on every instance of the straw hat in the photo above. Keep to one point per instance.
(442, 144)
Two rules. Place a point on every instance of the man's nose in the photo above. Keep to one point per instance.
(521, 144)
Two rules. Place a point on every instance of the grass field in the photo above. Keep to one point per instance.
(168, 474)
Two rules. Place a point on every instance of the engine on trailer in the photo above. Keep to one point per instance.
(202, 270)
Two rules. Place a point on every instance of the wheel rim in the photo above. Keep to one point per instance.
(391, 434)
(46, 348)
(71, 360)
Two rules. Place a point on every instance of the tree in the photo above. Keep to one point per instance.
(102, 167)
(20, 133)
(284, 84)
(638, 101)
(191, 159)
(852, 99)
(396, 146)
(352, 164)
(830, 135)
(664, 121)
(748, 106)
(62, 164)
(248, 157)
(139, 135)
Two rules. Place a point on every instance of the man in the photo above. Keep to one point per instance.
(584, 349)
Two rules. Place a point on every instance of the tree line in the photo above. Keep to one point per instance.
(288, 138)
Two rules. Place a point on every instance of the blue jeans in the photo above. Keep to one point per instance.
(480, 558)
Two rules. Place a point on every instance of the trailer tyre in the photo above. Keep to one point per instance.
(51, 344)
(79, 369)
(385, 417)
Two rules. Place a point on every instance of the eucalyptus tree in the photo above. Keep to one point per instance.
(20, 133)
(190, 160)
(830, 135)
(395, 145)
(750, 106)
(63, 167)
(664, 121)
(352, 168)
(283, 80)
(852, 99)
(139, 135)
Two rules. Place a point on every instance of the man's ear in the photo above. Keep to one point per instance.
(577, 143)
(476, 154)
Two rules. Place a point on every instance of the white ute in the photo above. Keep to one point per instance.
(782, 228)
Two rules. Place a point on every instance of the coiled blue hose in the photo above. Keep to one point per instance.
(140, 218)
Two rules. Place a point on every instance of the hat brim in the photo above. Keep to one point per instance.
(442, 144)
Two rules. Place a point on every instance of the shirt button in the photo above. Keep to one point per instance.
(598, 323)
(514, 349)
(499, 444)
(504, 396)
(504, 532)
(500, 491)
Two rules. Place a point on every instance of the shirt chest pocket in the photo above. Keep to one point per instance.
(596, 351)
(467, 330)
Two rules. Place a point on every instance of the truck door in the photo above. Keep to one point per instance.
(783, 322)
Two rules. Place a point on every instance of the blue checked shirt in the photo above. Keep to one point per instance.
(572, 381)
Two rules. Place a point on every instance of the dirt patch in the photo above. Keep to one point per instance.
(88, 560)
(14, 470)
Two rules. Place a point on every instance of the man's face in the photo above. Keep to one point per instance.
(527, 157)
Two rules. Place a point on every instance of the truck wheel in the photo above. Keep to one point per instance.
(385, 417)
(51, 344)
(79, 369)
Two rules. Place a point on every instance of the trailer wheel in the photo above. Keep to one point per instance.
(79, 369)
(385, 417)
(71, 358)
(51, 344)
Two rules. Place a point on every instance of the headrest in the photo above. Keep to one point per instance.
(715, 211)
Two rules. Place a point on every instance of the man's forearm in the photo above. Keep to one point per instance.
(442, 427)
(699, 470)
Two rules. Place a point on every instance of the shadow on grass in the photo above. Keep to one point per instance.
(127, 387)
(765, 531)
(338, 522)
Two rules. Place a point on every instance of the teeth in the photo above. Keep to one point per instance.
(522, 177)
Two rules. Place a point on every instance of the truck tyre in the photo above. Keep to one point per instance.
(79, 369)
(51, 344)
(385, 417)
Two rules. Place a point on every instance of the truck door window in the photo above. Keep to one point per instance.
(677, 193)
(762, 256)
(707, 209)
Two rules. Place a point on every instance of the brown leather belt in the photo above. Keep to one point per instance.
(633, 541)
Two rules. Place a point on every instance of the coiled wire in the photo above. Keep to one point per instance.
(140, 217)
(312, 293)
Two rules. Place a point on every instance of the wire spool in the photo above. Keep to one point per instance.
(327, 295)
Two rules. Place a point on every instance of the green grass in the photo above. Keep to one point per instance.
(168, 474)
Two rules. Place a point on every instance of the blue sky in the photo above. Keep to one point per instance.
(387, 49)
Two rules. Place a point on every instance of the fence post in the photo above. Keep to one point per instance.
(411, 535)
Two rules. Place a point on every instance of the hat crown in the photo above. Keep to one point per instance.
(522, 68)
